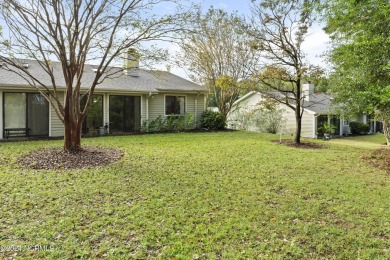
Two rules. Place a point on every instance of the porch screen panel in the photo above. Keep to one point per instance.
(38, 114)
(131, 113)
(14, 110)
(125, 114)
(94, 118)
(334, 120)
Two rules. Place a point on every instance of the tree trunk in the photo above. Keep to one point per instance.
(72, 136)
(72, 124)
(298, 123)
(298, 117)
(386, 130)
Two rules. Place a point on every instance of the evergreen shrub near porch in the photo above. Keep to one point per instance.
(359, 128)
(172, 123)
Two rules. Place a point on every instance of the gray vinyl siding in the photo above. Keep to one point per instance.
(56, 126)
(190, 104)
(156, 106)
(201, 106)
(290, 125)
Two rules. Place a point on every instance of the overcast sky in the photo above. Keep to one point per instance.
(314, 46)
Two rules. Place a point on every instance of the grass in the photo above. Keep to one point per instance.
(231, 195)
(373, 140)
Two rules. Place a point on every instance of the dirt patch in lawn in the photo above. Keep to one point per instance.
(302, 145)
(58, 159)
(379, 158)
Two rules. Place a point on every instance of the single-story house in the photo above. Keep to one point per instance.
(317, 111)
(122, 103)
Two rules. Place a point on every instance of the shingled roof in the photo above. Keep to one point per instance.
(319, 103)
(146, 81)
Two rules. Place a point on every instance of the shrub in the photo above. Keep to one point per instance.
(213, 120)
(171, 123)
(326, 129)
(359, 128)
(260, 119)
(269, 121)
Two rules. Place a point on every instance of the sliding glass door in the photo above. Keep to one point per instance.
(125, 114)
(26, 110)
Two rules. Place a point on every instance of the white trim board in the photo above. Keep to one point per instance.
(1, 114)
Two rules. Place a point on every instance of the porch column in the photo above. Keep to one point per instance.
(106, 108)
(50, 118)
(315, 126)
(1, 113)
(364, 119)
(147, 108)
(196, 107)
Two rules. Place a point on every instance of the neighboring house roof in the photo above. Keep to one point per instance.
(147, 81)
(319, 103)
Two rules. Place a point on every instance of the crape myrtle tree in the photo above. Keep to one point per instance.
(280, 27)
(217, 53)
(360, 38)
(75, 32)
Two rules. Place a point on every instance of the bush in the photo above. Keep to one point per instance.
(269, 121)
(213, 120)
(359, 128)
(262, 120)
(170, 124)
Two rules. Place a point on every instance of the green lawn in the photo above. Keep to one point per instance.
(374, 140)
(231, 195)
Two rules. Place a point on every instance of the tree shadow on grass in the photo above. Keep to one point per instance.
(379, 158)
(302, 145)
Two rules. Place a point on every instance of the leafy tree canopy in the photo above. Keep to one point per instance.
(360, 33)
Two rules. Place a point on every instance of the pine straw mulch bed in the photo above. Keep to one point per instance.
(58, 159)
(302, 145)
(379, 158)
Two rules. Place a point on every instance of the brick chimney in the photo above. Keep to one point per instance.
(131, 62)
(307, 90)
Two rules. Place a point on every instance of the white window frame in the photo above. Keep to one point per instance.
(175, 95)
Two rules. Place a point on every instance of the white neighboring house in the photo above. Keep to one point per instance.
(317, 111)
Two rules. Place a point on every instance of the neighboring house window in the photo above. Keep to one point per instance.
(175, 105)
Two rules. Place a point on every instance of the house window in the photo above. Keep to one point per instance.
(175, 105)
(26, 110)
